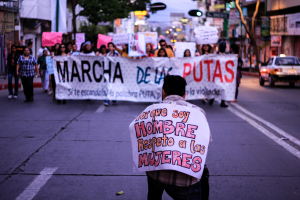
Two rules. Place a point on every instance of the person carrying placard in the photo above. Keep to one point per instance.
(165, 161)
(163, 45)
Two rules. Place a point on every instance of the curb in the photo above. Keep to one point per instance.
(256, 74)
(5, 85)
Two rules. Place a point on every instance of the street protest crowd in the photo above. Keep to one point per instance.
(22, 64)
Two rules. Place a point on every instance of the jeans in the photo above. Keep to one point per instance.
(12, 73)
(156, 189)
(27, 86)
(45, 79)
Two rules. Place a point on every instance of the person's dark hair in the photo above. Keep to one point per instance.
(59, 51)
(162, 40)
(170, 47)
(29, 43)
(209, 48)
(44, 51)
(235, 48)
(151, 50)
(53, 49)
(126, 49)
(67, 44)
(184, 54)
(111, 44)
(102, 47)
(13, 46)
(174, 85)
(222, 47)
(166, 55)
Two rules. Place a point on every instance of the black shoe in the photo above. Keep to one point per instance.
(64, 101)
(211, 101)
(58, 101)
(27, 100)
(223, 105)
(31, 99)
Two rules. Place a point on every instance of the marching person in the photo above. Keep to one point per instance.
(162, 53)
(177, 184)
(234, 49)
(222, 49)
(26, 66)
(12, 60)
(87, 49)
(163, 45)
(102, 50)
(43, 70)
(41, 50)
(187, 53)
(124, 51)
(149, 50)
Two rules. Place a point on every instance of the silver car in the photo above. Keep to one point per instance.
(280, 69)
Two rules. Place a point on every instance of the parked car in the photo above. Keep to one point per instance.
(280, 69)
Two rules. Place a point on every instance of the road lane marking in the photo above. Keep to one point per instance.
(262, 129)
(34, 187)
(101, 109)
(272, 126)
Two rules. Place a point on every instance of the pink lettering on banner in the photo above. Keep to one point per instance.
(51, 38)
(103, 39)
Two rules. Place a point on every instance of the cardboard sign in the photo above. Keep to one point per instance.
(141, 80)
(119, 39)
(206, 35)
(80, 38)
(51, 38)
(49, 62)
(136, 44)
(182, 46)
(151, 37)
(170, 137)
(103, 39)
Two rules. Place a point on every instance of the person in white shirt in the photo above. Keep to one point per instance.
(87, 49)
(41, 50)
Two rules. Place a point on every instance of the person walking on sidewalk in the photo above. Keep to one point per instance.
(43, 71)
(12, 60)
(26, 68)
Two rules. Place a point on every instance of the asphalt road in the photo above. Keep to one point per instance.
(82, 150)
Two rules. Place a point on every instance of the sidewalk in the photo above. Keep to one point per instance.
(250, 73)
(4, 82)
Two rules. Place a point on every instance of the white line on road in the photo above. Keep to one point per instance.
(30, 192)
(100, 109)
(272, 126)
(276, 139)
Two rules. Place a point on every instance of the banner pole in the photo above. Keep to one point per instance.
(57, 14)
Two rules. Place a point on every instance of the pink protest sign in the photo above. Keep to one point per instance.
(51, 38)
(80, 38)
(103, 39)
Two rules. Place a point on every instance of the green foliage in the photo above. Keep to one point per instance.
(109, 10)
(91, 31)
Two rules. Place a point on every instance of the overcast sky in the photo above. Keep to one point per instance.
(173, 6)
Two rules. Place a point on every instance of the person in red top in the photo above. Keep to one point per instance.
(149, 50)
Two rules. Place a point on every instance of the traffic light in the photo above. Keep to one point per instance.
(195, 13)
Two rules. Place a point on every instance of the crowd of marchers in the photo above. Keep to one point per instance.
(21, 64)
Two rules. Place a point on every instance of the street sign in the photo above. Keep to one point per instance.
(157, 6)
(217, 15)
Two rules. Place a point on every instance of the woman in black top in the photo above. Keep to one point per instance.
(12, 59)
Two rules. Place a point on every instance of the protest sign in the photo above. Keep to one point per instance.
(51, 38)
(141, 80)
(103, 39)
(80, 38)
(170, 137)
(206, 35)
(182, 46)
(136, 44)
(49, 62)
(151, 37)
(119, 39)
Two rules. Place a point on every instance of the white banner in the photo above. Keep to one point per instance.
(206, 35)
(151, 37)
(119, 39)
(182, 46)
(136, 44)
(141, 80)
(80, 38)
(170, 137)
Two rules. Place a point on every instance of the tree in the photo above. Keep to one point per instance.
(252, 32)
(91, 31)
(109, 10)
